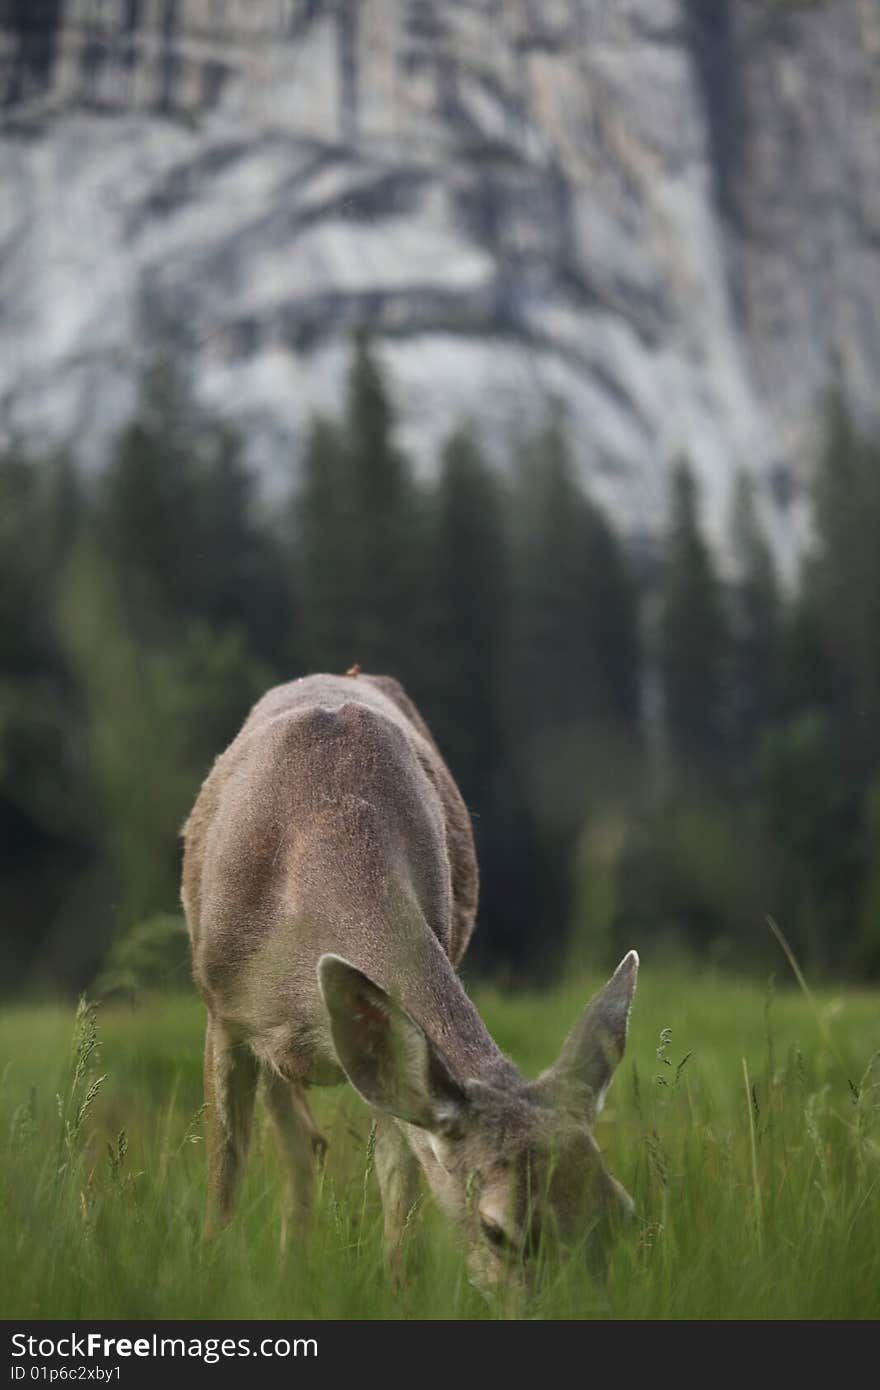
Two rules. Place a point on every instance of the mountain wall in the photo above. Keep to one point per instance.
(665, 212)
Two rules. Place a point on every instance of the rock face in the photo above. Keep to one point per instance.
(666, 212)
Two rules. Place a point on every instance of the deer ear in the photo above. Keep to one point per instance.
(388, 1058)
(595, 1044)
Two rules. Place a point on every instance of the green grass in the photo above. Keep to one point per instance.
(755, 1169)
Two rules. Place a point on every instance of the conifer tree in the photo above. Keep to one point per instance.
(239, 579)
(149, 505)
(576, 630)
(469, 601)
(694, 639)
(385, 524)
(844, 579)
(328, 559)
(755, 625)
(42, 841)
(573, 669)
(469, 595)
(178, 520)
(362, 536)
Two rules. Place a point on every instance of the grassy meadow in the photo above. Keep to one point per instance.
(754, 1164)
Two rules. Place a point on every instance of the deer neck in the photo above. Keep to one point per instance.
(399, 951)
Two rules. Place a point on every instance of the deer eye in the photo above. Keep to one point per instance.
(495, 1234)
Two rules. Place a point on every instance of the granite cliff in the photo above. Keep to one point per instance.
(666, 212)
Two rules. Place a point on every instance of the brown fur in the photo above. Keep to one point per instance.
(330, 823)
(332, 830)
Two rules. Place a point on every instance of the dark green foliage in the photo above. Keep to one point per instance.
(766, 801)
(177, 518)
(576, 659)
(325, 526)
(467, 610)
(177, 610)
(754, 627)
(693, 637)
(826, 791)
(358, 523)
(384, 510)
(843, 580)
(142, 615)
(152, 956)
(149, 508)
(36, 682)
(141, 620)
(469, 598)
(698, 876)
(571, 693)
(805, 679)
(42, 847)
(242, 583)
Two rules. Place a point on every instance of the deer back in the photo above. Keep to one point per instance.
(330, 824)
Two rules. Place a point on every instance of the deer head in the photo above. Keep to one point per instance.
(515, 1164)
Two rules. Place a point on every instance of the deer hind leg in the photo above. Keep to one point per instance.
(398, 1172)
(231, 1072)
(302, 1144)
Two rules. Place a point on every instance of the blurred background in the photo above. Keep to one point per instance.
(526, 350)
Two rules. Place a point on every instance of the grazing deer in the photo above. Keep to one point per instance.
(330, 886)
